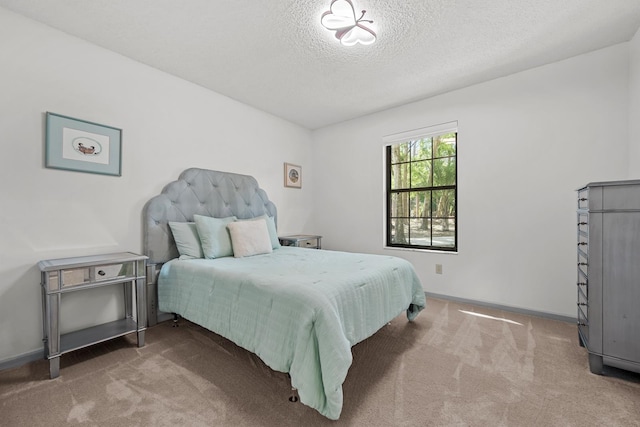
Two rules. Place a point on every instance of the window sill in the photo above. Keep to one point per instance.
(433, 251)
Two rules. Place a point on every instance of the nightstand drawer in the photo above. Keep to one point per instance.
(302, 241)
(105, 272)
(87, 275)
(311, 243)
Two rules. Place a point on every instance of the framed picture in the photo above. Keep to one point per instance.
(292, 175)
(78, 145)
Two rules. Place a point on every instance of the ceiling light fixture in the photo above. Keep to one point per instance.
(341, 18)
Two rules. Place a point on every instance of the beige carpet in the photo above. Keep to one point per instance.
(449, 368)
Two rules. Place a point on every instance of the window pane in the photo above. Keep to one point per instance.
(444, 145)
(400, 204)
(399, 231)
(419, 204)
(444, 203)
(421, 174)
(421, 149)
(422, 194)
(400, 176)
(400, 153)
(444, 233)
(444, 171)
(420, 232)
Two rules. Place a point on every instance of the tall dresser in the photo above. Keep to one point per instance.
(609, 274)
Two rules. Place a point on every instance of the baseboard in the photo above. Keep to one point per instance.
(23, 359)
(38, 354)
(553, 316)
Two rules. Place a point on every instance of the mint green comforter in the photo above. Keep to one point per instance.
(299, 310)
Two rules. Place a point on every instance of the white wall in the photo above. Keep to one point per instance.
(634, 107)
(168, 125)
(526, 143)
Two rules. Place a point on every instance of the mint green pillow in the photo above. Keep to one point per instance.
(186, 236)
(273, 233)
(214, 236)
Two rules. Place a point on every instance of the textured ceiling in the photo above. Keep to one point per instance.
(275, 55)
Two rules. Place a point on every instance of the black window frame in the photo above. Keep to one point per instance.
(390, 192)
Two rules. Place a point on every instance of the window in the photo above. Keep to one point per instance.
(421, 189)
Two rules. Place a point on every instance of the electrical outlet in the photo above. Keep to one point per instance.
(438, 268)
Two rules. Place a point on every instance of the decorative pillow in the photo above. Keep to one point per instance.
(271, 227)
(250, 238)
(214, 235)
(186, 236)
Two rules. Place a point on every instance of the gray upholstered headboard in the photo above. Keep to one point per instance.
(202, 192)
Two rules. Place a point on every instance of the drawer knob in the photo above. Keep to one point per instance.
(582, 303)
(582, 284)
(583, 223)
(582, 263)
(582, 243)
(582, 324)
(584, 199)
(101, 272)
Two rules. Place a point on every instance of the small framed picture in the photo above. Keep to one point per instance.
(292, 175)
(78, 145)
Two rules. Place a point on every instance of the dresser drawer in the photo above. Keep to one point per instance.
(583, 242)
(583, 222)
(583, 301)
(583, 326)
(583, 198)
(621, 197)
(583, 263)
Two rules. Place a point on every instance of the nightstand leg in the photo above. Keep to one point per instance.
(54, 367)
(140, 338)
(141, 308)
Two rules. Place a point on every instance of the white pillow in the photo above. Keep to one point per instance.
(271, 227)
(250, 238)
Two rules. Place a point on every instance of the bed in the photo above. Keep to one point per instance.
(300, 310)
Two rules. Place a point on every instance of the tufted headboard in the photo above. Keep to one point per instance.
(202, 192)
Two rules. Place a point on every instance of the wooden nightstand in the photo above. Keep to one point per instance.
(302, 241)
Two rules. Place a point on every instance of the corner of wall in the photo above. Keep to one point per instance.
(634, 107)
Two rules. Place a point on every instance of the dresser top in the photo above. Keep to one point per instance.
(612, 183)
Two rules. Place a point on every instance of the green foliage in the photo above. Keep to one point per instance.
(423, 165)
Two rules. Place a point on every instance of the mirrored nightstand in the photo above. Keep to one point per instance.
(65, 275)
(302, 241)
